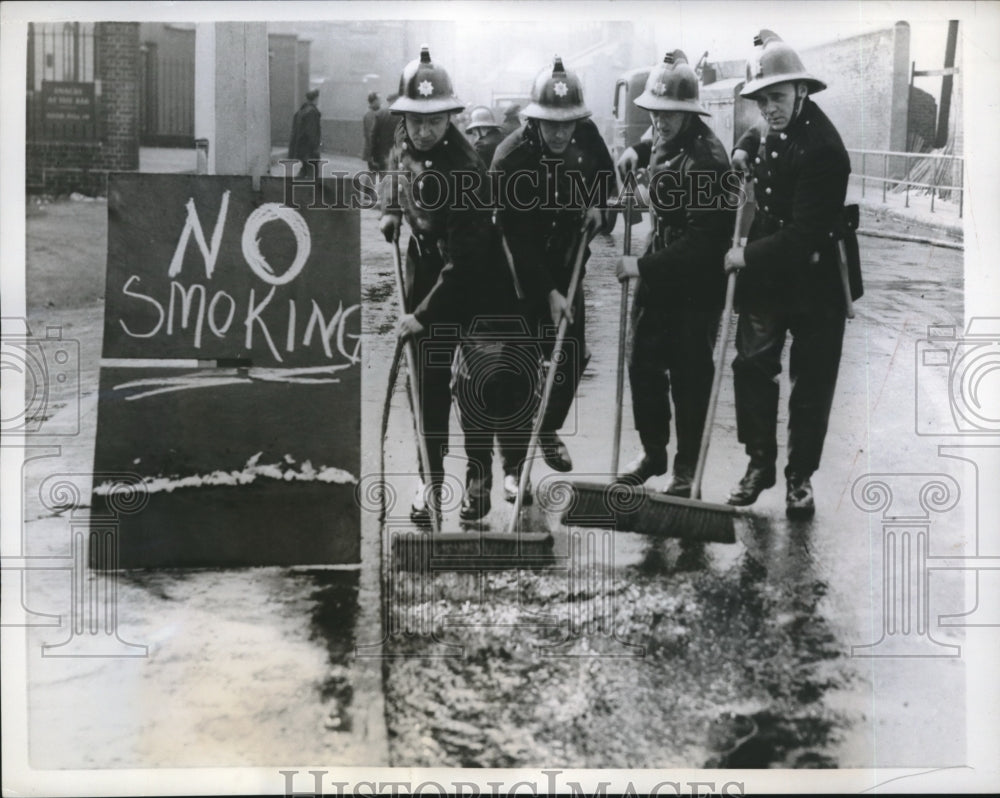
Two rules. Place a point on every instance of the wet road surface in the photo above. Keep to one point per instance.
(637, 652)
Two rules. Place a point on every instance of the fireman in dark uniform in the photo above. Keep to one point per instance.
(455, 268)
(555, 173)
(681, 277)
(789, 279)
(485, 133)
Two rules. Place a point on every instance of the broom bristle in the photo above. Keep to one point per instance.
(633, 509)
(471, 551)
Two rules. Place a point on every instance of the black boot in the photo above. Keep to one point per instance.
(799, 498)
(476, 503)
(760, 475)
(555, 452)
(511, 483)
(420, 513)
(650, 464)
(680, 484)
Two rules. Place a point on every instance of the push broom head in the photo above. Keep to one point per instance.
(635, 509)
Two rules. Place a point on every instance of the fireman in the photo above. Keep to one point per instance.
(554, 174)
(681, 281)
(455, 267)
(789, 280)
(485, 132)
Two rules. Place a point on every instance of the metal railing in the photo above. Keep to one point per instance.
(887, 157)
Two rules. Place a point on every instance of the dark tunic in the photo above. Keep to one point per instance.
(791, 284)
(486, 145)
(542, 218)
(683, 268)
(455, 265)
(542, 237)
(456, 275)
(680, 291)
(800, 182)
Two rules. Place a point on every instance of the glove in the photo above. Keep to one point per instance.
(389, 227)
(627, 162)
(741, 162)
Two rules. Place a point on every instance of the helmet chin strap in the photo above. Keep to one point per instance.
(799, 100)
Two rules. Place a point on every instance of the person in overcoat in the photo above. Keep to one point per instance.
(789, 275)
(456, 276)
(555, 177)
(681, 281)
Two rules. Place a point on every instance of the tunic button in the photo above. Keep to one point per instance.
(446, 140)
(755, 180)
(767, 208)
(774, 153)
(553, 224)
(404, 145)
(767, 190)
(427, 164)
(807, 121)
(831, 234)
(579, 159)
(757, 159)
(782, 136)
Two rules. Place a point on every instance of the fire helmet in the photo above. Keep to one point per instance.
(425, 88)
(556, 96)
(481, 116)
(671, 86)
(776, 62)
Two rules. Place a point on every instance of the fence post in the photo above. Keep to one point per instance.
(885, 173)
(906, 184)
(863, 175)
(961, 188)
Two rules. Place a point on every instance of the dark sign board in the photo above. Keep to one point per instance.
(66, 103)
(201, 266)
(254, 460)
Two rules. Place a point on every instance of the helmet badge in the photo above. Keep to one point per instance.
(425, 88)
(560, 88)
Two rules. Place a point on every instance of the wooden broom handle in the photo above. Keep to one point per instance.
(411, 367)
(713, 398)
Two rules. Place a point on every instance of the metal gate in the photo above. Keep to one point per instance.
(62, 96)
(166, 89)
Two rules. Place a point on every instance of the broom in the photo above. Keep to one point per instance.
(550, 377)
(657, 513)
(459, 550)
(414, 392)
(593, 502)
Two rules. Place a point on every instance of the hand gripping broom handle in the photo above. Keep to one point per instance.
(411, 368)
(713, 398)
(550, 378)
(616, 443)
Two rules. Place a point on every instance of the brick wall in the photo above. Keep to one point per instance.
(56, 167)
(868, 77)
